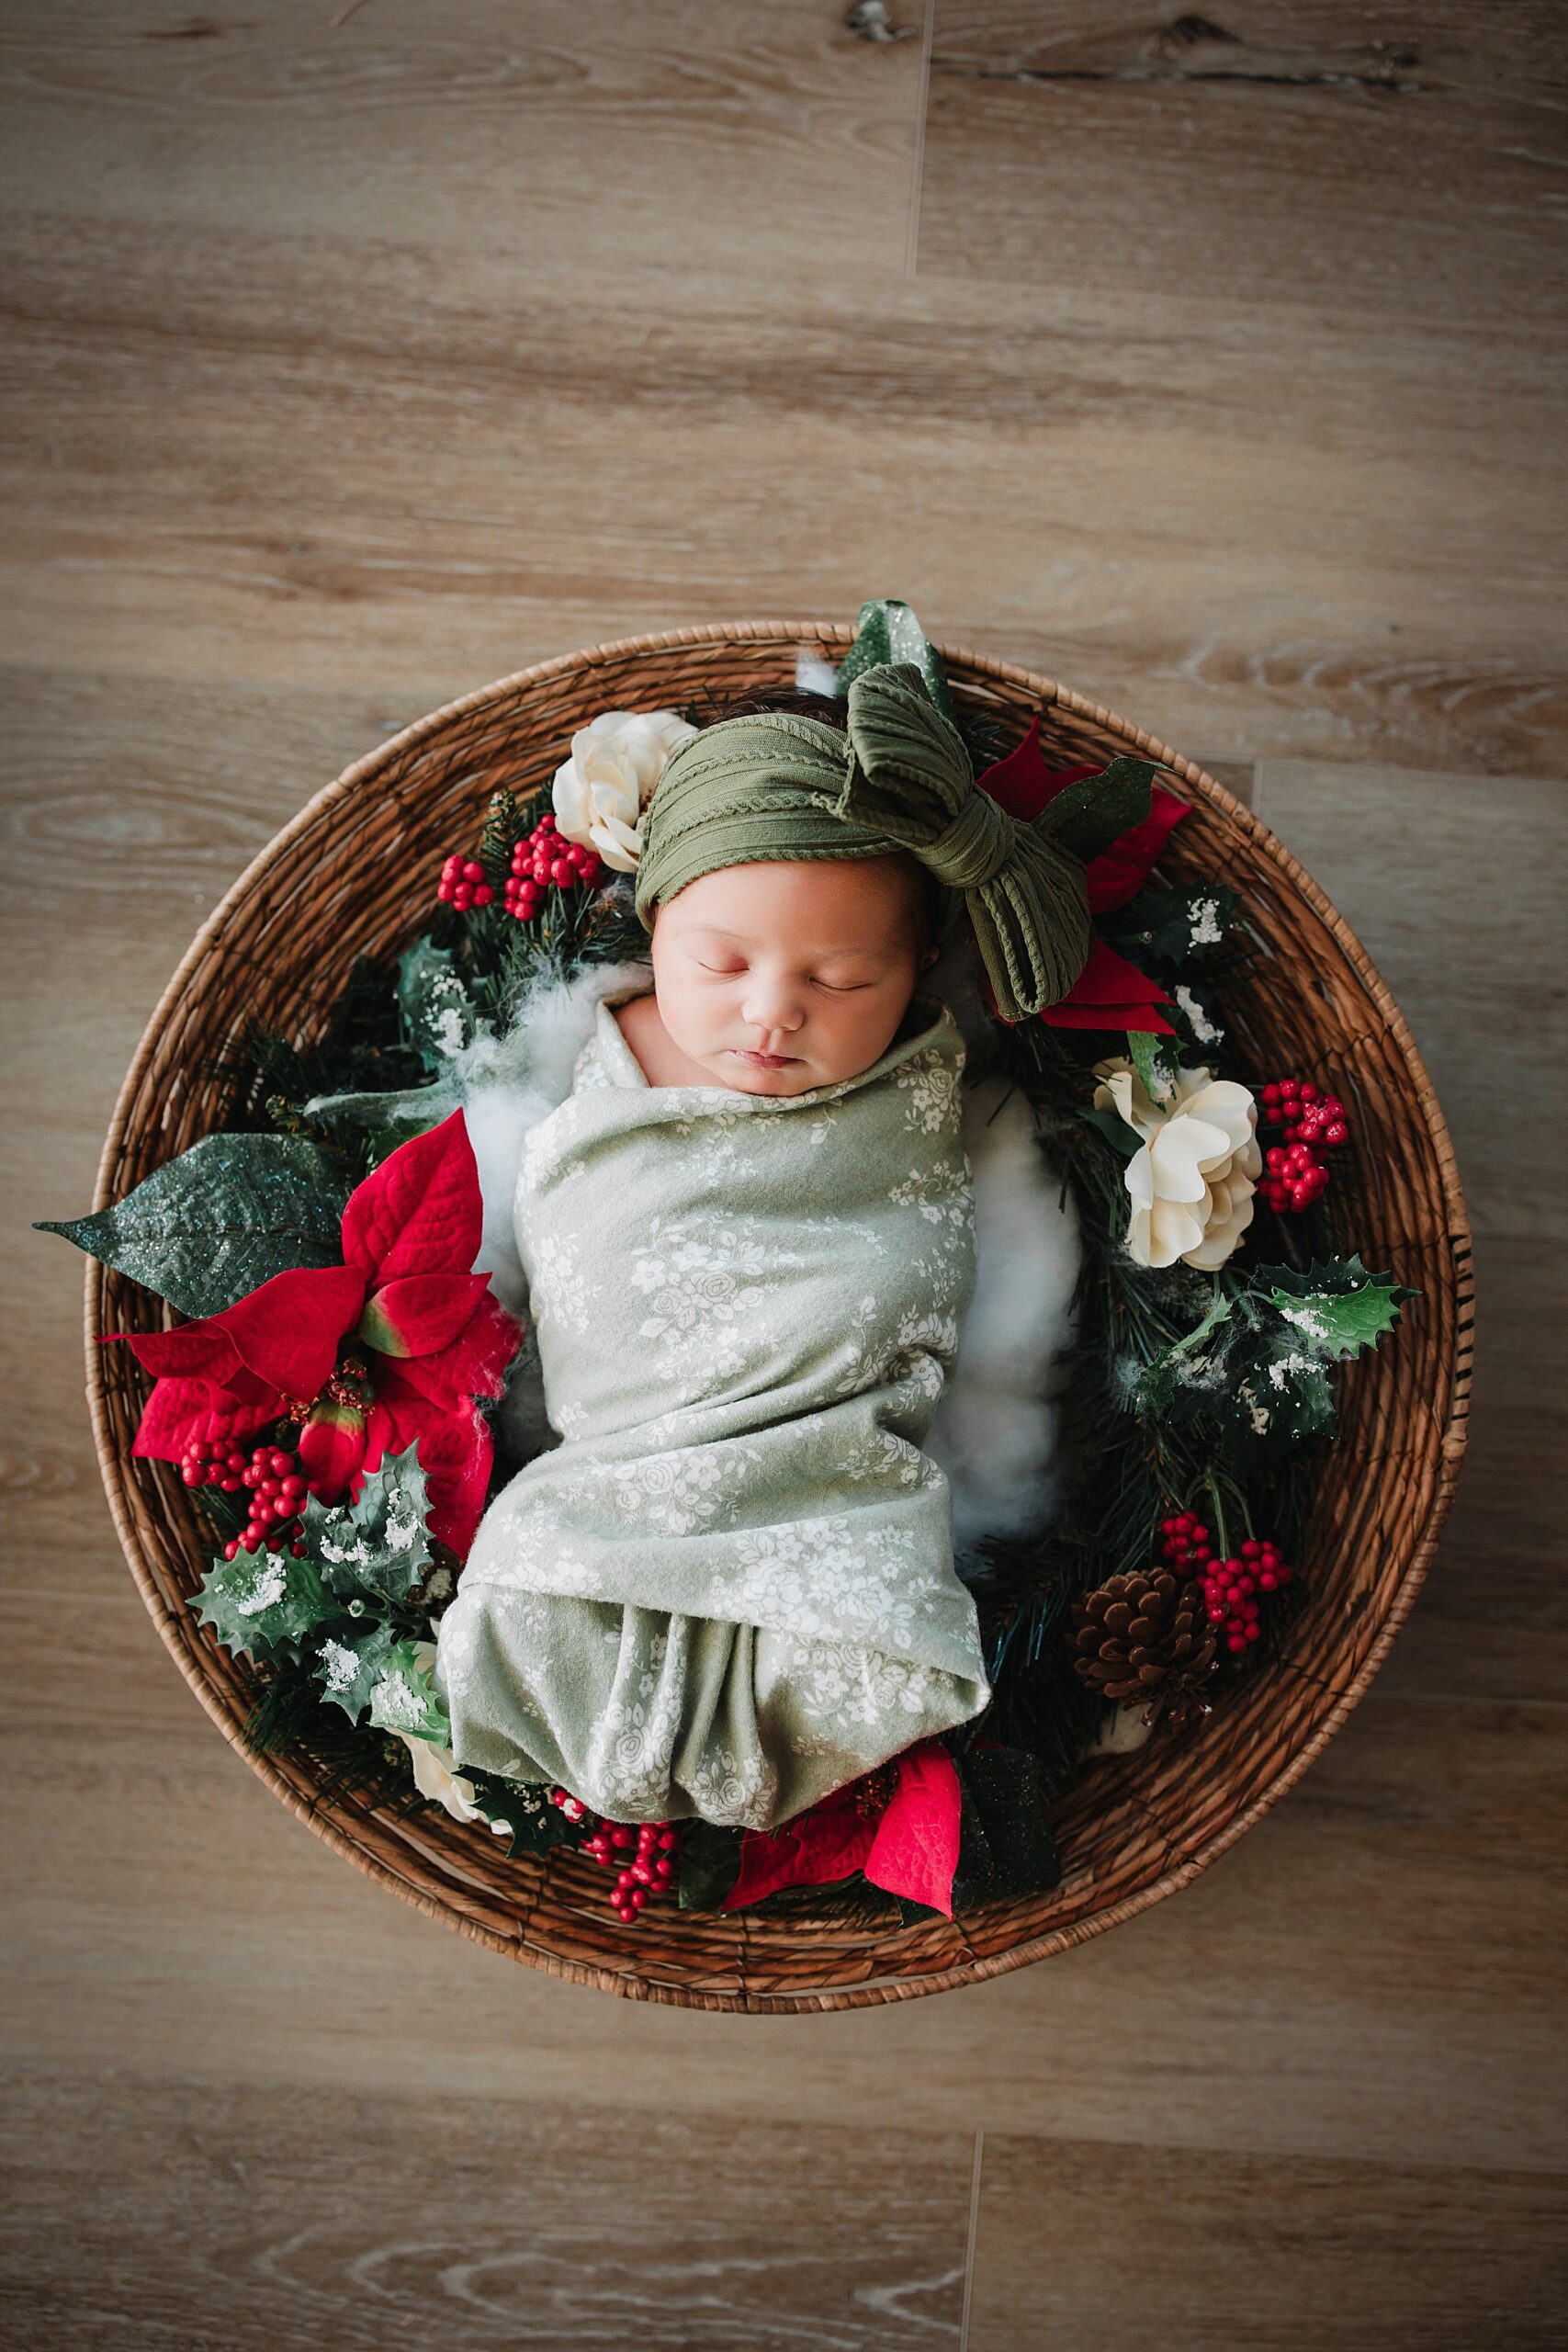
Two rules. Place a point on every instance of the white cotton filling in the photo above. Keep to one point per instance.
(813, 676)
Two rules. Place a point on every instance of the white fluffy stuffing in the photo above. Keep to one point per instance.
(994, 1429)
(813, 676)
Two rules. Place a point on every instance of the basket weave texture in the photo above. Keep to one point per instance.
(354, 874)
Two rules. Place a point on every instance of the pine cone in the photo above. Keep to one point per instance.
(1146, 1637)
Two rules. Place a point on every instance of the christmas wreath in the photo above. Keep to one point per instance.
(331, 1386)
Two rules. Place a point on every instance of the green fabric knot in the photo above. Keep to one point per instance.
(779, 786)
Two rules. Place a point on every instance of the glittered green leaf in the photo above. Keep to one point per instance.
(888, 631)
(1115, 1128)
(1155, 1064)
(708, 1864)
(228, 1214)
(378, 1546)
(1005, 1846)
(263, 1602)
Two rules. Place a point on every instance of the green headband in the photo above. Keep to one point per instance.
(780, 787)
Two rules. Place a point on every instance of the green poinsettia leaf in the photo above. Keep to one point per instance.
(389, 1119)
(1087, 816)
(1173, 923)
(1336, 1309)
(520, 1811)
(265, 1603)
(888, 631)
(228, 1214)
(403, 1699)
(439, 1015)
(378, 1546)
(349, 1663)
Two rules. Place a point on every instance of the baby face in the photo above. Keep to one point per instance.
(785, 974)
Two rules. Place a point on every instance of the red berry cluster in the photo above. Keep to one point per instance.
(1230, 1586)
(647, 1872)
(463, 884)
(544, 860)
(278, 1497)
(1294, 1173)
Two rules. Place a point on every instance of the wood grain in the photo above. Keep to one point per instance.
(561, 136)
(1078, 2243)
(518, 2222)
(1396, 160)
(1459, 893)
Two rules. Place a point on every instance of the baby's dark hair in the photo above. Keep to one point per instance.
(798, 703)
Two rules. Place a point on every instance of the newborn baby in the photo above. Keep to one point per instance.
(748, 1237)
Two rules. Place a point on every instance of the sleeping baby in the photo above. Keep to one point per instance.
(749, 1241)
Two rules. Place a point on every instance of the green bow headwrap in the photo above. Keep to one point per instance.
(780, 787)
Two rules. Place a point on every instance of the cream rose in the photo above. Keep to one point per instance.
(435, 1773)
(1191, 1183)
(601, 791)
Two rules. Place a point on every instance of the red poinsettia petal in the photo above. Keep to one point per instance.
(454, 1453)
(1109, 993)
(331, 1449)
(199, 1350)
(420, 1314)
(183, 1412)
(915, 1852)
(421, 1212)
(827, 1842)
(288, 1331)
(1022, 784)
(473, 1365)
(1120, 872)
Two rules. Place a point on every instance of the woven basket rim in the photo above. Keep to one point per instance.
(977, 1966)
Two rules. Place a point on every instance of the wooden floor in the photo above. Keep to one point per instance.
(355, 355)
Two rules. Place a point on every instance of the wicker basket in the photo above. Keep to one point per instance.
(352, 873)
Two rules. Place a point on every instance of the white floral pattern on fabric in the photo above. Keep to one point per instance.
(730, 1589)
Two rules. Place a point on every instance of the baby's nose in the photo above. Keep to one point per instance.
(771, 1005)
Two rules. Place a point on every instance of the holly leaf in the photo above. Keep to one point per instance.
(888, 631)
(1144, 1050)
(439, 1015)
(348, 1665)
(403, 1697)
(1336, 1308)
(213, 1225)
(1289, 1395)
(263, 1603)
(520, 1811)
(378, 1548)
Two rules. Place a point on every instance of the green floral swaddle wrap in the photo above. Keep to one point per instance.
(730, 1589)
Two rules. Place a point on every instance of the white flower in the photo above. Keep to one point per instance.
(1191, 1183)
(601, 791)
(436, 1772)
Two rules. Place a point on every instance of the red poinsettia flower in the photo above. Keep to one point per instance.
(1110, 992)
(906, 1841)
(389, 1348)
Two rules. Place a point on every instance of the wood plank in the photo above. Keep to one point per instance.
(1078, 2243)
(565, 135)
(1456, 888)
(1280, 153)
(1233, 538)
(1374, 1970)
(167, 2213)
